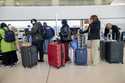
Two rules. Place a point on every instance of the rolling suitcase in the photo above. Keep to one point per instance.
(56, 54)
(29, 56)
(123, 36)
(114, 51)
(81, 56)
(66, 48)
(102, 50)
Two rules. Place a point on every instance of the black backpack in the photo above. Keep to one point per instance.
(9, 36)
(65, 34)
(39, 32)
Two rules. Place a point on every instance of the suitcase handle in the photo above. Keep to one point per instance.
(62, 54)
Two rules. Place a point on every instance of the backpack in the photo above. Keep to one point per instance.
(65, 33)
(39, 32)
(49, 33)
(9, 36)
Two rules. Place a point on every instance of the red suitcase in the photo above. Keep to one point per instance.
(66, 51)
(56, 54)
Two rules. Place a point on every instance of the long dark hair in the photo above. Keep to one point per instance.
(94, 18)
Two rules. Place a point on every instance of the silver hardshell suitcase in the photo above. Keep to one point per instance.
(29, 56)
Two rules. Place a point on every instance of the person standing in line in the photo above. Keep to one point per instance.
(65, 36)
(49, 34)
(7, 47)
(37, 33)
(94, 38)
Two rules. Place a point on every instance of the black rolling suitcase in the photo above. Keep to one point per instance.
(102, 50)
(114, 51)
(123, 36)
(29, 56)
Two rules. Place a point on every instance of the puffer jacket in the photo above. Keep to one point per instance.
(6, 46)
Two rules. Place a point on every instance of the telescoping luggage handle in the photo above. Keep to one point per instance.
(62, 54)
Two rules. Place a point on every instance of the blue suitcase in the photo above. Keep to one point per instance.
(81, 56)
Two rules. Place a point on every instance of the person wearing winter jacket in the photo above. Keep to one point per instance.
(65, 33)
(65, 36)
(94, 38)
(8, 49)
(37, 33)
(49, 34)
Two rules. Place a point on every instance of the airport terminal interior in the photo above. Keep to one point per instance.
(86, 60)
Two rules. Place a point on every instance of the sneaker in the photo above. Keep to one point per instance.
(40, 60)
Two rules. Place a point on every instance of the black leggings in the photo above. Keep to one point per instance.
(39, 46)
(9, 58)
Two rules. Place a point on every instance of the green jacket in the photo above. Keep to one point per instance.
(6, 46)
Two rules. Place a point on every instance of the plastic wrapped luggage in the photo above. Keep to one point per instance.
(56, 54)
(81, 56)
(71, 54)
(74, 44)
(29, 56)
(82, 41)
(114, 51)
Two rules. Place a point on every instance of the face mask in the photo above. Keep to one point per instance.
(10, 26)
(33, 22)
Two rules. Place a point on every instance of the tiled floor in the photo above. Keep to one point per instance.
(42, 73)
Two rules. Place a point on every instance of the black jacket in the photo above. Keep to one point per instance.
(65, 33)
(37, 32)
(93, 31)
(115, 32)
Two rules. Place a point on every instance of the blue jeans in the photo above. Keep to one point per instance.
(45, 46)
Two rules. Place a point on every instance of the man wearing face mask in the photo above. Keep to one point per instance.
(65, 35)
(37, 33)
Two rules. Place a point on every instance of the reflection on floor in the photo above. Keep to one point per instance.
(42, 73)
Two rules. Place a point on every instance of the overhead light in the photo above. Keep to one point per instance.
(118, 2)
